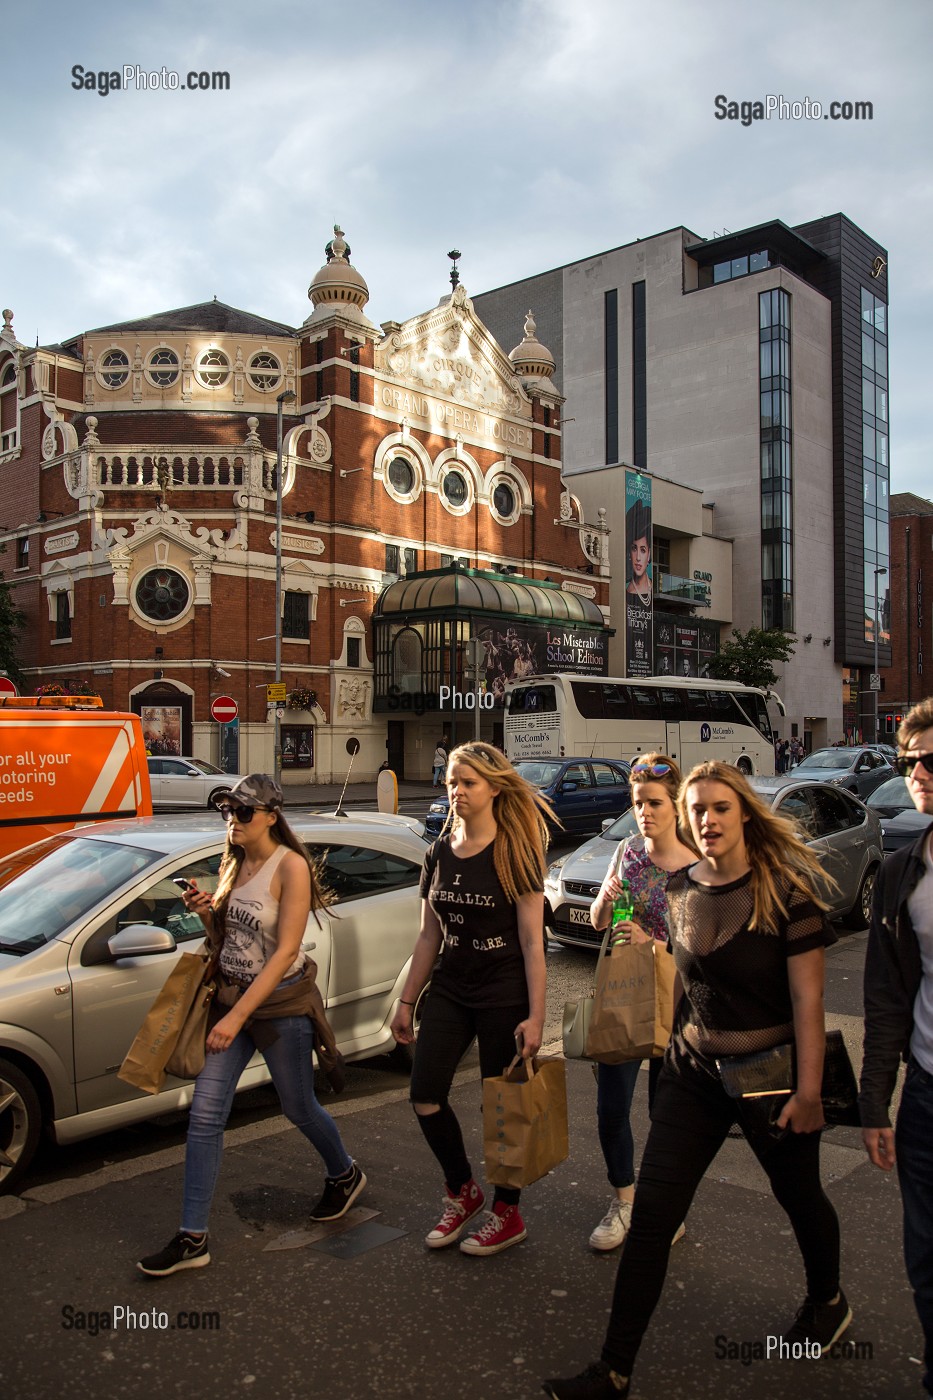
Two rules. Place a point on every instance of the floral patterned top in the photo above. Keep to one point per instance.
(648, 884)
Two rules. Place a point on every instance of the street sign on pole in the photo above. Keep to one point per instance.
(7, 687)
(874, 680)
(275, 693)
(224, 708)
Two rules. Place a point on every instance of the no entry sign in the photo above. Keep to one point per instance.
(7, 687)
(224, 708)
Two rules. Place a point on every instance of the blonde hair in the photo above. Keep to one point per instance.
(234, 856)
(520, 847)
(671, 783)
(916, 720)
(774, 846)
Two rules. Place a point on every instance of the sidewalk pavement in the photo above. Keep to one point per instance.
(399, 1321)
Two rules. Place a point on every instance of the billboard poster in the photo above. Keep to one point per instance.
(297, 746)
(161, 728)
(518, 649)
(639, 597)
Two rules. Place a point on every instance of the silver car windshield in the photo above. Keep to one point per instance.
(826, 760)
(47, 887)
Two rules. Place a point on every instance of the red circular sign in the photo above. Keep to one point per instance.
(224, 708)
(7, 687)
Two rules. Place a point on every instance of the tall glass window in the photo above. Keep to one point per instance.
(777, 515)
(875, 465)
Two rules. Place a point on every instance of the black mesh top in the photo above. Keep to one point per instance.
(736, 991)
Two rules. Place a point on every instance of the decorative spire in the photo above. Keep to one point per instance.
(455, 256)
(532, 360)
(338, 249)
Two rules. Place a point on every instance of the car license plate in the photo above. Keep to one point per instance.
(579, 916)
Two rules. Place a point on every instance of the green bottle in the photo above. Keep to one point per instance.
(622, 907)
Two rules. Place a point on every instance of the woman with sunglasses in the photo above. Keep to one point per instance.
(482, 914)
(268, 888)
(646, 862)
(749, 934)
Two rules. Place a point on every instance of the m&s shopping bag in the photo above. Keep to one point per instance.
(525, 1121)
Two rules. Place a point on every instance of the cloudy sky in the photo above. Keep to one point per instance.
(527, 133)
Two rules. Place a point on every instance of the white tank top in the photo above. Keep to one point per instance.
(252, 925)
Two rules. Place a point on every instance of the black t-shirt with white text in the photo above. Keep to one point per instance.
(481, 962)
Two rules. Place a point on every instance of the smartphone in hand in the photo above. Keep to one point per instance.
(184, 885)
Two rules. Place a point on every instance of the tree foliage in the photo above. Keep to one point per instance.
(12, 623)
(750, 657)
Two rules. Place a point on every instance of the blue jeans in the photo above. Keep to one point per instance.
(292, 1070)
(914, 1152)
(615, 1087)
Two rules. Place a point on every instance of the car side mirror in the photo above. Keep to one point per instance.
(607, 821)
(140, 941)
(569, 787)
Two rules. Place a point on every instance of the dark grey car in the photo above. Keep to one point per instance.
(844, 833)
(858, 770)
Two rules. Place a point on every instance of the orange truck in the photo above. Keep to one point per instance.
(66, 760)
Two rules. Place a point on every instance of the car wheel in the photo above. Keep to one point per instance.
(744, 765)
(20, 1124)
(402, 1057)
(859, 915)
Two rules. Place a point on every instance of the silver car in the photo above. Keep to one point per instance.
(858, 770)
(186, 782)
(841, 830)
(91, 923)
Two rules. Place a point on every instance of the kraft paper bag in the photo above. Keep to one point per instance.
(633, 1005)
(525, 1121)
(158, 1036)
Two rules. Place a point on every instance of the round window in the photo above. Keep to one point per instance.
(503, 500)
(402, 476)
(264, 371)
(163, 368)
(213, 369)
(162, 594)
(455, 488)
(113, 369)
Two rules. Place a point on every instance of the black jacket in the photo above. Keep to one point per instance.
(892, 978)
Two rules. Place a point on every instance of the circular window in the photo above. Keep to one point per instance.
(162, 369)
(162, 594)
(265, 372)
(213, 369)
(113, 369)
(402, 476)
(455, 488)
(9, 375)
(503, 500)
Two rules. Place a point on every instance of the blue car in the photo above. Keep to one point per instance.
(584, 792)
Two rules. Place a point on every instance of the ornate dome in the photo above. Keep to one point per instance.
(531, 359)
(337, 282)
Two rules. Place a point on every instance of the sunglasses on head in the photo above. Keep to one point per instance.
(653, 770)
(244, 815)
(905, 763)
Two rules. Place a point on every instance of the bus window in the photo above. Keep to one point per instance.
(672, 705)
(588, 697)
(617, 702)
(533, 699)
(645, 702)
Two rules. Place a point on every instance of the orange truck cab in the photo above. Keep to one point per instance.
(65, 760)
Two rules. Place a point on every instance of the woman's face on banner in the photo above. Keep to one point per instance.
(639, 554)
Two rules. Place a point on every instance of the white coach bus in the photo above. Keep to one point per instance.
(565, 715)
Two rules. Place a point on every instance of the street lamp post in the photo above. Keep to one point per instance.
(287, 396)
(878, 573)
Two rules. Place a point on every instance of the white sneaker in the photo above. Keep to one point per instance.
(611, 1230)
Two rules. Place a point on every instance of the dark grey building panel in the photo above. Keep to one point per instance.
(504, 310)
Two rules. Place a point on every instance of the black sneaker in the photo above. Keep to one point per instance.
(597, 1382)
(818, 1325)
(183, 1252)
(339, 1194)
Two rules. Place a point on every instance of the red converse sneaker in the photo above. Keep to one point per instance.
(504, 1227)
(459, 1210)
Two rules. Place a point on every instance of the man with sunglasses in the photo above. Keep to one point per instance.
(899, 1021)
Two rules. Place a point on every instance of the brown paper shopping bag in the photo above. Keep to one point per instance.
(525, 1121)
(633, 1004)
(147, 1057)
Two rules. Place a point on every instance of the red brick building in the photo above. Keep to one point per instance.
(138, 500)
(910, 600)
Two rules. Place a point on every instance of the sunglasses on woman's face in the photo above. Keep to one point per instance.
(650, 770)
(244, 815)
(905, 763)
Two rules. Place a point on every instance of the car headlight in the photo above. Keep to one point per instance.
(437, 807)
(553, 871)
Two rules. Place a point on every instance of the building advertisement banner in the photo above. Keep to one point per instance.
(520, 649)
(161, 728)
(639, 598)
